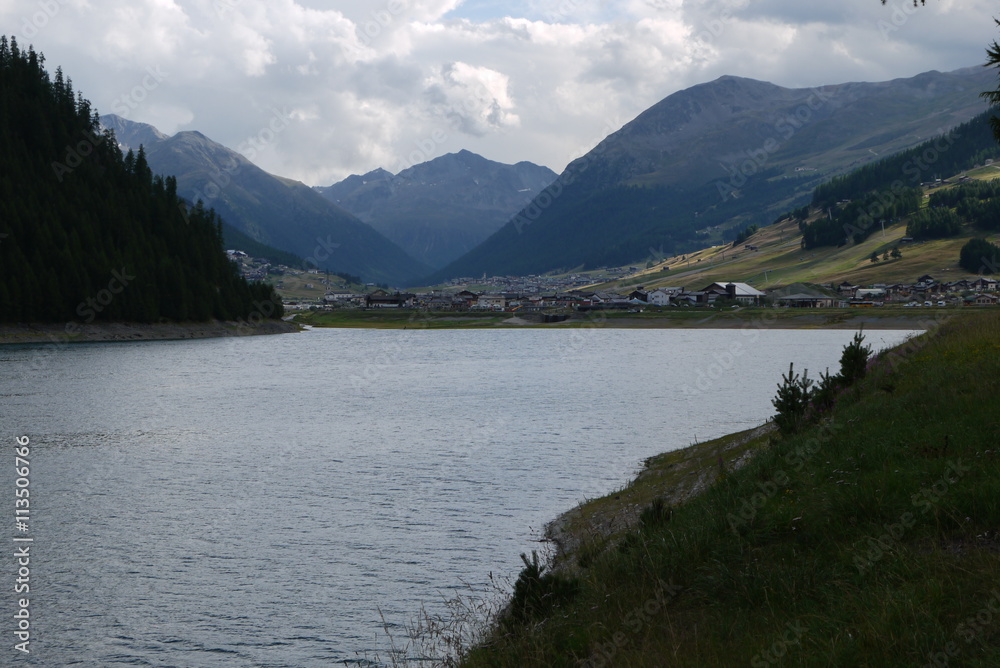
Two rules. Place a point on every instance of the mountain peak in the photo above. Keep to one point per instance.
(725, 153)
(132, 134)
(441, 208)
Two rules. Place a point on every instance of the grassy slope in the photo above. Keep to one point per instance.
(868, 540)
(780, 255)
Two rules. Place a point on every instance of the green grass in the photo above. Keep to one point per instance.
(780, 260)
(870, 539)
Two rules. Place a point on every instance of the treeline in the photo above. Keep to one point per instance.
(977, 202)
(856, 220)
(745, 234)
(961, 148)
(934, 224)
(87, 233)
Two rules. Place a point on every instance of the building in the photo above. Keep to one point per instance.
(382, 299)
(802, 300)
(662, 296)
(338, 296)
(740, 292)
(492, 302)
(982, 300)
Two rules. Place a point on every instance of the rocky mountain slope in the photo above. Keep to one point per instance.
(279, 212)
(441, 209)
(717, 156)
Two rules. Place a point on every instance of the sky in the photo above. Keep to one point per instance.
(316, 91)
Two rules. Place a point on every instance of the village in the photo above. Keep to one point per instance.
(925, 292)
(316, 290)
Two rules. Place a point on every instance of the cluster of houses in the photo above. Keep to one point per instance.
(926, 291)
(736, 293)
(252, 269)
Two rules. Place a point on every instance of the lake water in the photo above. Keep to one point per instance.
(264, 501)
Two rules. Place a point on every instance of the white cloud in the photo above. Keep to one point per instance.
(475, 100)
(369, 84)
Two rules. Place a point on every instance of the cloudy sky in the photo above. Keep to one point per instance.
(318, 90)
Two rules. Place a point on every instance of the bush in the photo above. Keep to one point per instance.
(800, 401)
(792, 401)
(655, 514)
(536, 592)
(825, 394)
(979, 256)
(854, 360)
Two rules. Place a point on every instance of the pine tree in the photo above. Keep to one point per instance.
(75, 214)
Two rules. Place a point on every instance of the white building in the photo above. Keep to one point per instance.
(662, 296)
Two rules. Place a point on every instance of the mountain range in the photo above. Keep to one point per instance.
(693, 169)
(439, 210)
(714, 157)
(380, 226)
(280, 212)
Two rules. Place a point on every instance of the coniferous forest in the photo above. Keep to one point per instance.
(89, 234)
(891, 189)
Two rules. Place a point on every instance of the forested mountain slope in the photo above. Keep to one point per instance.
(87, 233)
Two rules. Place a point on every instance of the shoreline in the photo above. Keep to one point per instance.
(869, 319)
(586, 530)
(130, 331)
(713, 551)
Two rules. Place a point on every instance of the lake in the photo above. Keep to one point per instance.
(265, 501)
